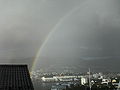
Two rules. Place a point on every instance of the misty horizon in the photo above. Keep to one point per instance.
(53, 33)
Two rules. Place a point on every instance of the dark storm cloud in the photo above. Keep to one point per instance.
(87, 36)
(83, 30)
(24, 25)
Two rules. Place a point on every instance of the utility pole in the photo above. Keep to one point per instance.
(89, 79)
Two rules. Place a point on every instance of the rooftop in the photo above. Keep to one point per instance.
(15, 77)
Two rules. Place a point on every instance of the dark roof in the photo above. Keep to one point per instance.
(15, 77)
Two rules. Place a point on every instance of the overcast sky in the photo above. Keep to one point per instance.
(86, 35)
(24, 24)
(78, 30)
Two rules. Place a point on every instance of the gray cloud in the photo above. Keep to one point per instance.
(82, 30)
(25, 24)
(89, 32)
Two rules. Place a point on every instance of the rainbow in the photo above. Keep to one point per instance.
(50, 34)
(44, 43)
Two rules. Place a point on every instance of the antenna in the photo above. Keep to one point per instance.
(89, 79)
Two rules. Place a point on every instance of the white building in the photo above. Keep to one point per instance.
(60, 78)
(105, 81)
(84, 80)
(48, 79)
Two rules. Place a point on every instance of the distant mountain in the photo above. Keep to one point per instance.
(111, 64)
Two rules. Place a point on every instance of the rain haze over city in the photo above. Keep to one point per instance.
(60, 36)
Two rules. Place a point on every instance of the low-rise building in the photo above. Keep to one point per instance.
(84, 80)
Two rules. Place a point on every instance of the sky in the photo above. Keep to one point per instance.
(64, 32)
(24, 25)
(88, 36)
